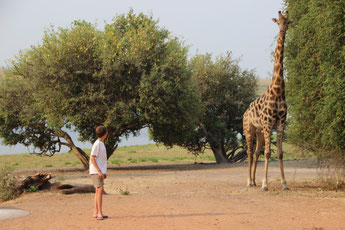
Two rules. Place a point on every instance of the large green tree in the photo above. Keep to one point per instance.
(226, 91)
(132, 74)
(315, 65)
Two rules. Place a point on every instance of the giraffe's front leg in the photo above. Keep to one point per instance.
(250, 162)
(249, 134)
(280, 132)
(267, 136)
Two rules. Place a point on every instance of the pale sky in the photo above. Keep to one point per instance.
(244, 27)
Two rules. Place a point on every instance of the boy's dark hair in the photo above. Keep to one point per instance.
(101, 131)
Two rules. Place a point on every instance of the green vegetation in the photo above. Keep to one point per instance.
(315, 64)
(226, 92)
(7, 182)
(133, 74)
(31, 189)
(130, 75)
(125, 192)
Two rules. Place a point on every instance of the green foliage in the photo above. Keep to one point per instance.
(21, 121)
(226, 92)
(32, 188)
(315, 64)
(168, 98)
(7, 183)
(130, 75)
(125, 192)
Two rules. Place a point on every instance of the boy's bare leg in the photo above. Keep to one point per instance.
(99, 201)
(95, 206)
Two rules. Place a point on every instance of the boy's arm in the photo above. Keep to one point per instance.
(93, 161)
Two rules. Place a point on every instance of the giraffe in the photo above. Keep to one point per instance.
(268, 112)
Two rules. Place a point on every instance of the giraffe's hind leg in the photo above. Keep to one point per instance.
(249, 131)
(267, 138)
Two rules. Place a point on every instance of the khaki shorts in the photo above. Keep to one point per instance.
(97, 183)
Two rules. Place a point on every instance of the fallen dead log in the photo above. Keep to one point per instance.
(75, 188)
(41, 182)
(38, 181)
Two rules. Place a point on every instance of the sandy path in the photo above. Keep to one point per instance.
(188, 197)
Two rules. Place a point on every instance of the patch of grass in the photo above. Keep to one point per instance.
(117, 161)
(132, 160)
(146, 154)
(142, 159)
(153, 159)
(32, 161)
(180, 158)
(60, 178)
(75, 163)
(207, 158)
(125, 192)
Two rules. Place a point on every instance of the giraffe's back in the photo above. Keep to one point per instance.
(266, 111)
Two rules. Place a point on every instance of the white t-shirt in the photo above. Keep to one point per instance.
(99, 150)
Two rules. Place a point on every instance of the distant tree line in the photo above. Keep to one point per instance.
(130, 75)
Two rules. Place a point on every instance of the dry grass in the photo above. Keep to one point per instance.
(143, 154)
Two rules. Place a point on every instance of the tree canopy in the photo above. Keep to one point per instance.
(128, 76)
(226, 92)
(315, 64)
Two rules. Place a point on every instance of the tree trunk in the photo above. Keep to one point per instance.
(218, 150)
(219, 155)
(82, 156)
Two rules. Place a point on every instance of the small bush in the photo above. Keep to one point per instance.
(7, 183)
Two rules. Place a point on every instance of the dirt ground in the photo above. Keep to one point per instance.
(201, 196)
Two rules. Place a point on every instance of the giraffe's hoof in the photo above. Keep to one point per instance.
(264, 188)
(251, 185)
(285, 187)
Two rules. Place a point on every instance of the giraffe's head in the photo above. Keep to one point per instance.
(283, 21)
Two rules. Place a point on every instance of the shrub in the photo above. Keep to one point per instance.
(7, 184)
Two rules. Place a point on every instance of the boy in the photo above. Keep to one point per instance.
(98, 169)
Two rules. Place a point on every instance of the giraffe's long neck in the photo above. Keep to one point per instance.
(277, 83)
